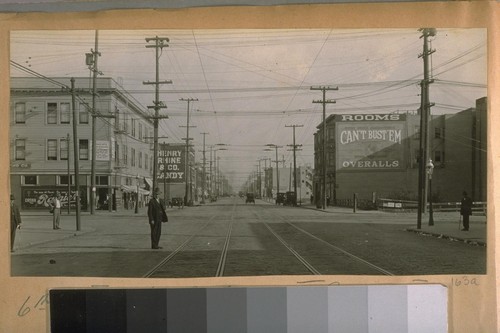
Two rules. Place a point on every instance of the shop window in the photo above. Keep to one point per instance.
(102, 180)
(63, 180)
(30, 180)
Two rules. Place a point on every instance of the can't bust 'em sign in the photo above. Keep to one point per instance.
(370, 141)
(171, 164)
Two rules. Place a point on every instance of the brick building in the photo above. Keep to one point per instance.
(376, 155)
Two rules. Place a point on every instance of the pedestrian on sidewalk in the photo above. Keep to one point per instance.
(156, 216)
(15, 221)
(56, 211)
(466, 210)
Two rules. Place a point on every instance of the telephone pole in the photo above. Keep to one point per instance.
(160, 43)
(424, 124)
(188, 166)
(76, 157)
(324, 101)
(294, 162)
(203, 185)
(91, 60)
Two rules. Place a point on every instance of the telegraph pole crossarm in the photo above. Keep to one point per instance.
(324, 101)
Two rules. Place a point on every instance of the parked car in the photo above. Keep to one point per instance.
(250, 198)
(280, 198)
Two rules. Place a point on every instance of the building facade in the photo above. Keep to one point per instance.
(42, 141)
(377, 156)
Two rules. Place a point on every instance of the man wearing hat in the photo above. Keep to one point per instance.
(157, 216)
(15, 220)
(466, 209)
(56, 206)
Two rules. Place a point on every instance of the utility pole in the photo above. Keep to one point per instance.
(294, 162)
(424, 124)
(75, 152)
(188, 166)
(160, 43)
(203, 185)
(93, 67)
(324, 101)
(69, 177)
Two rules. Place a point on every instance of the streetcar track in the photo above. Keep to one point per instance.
(347, 253)
(177, 250)
(300, 258)
(225, 248)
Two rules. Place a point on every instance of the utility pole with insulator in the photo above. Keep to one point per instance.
(324, 101)
(76, 157)
(294, 146)
(189, 192)
(159, 44)
(203, 183)
(425, 108)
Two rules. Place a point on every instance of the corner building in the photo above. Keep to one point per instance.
(41, 119)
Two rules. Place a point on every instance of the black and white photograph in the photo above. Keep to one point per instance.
(259, 152)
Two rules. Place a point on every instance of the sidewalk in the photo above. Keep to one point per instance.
(446, 224)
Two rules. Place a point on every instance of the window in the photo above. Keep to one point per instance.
(125, 157)
(140, 159)
(65, 113)
(117, 153)
(20, 113)
(439, 132)
(83, 149)
(83, 114)
(52, 149)
(417, 132)
(146, 157)
(133, 127)
(51, 113)
(102, 180)
(132, 153)
(438, 158)
(20, 149)
(63, 149)
(63, 180)
(140, 131)
(125, 123)
(30, 180)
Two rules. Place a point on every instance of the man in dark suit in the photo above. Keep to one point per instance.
(466, 210)
(156, 215)
(15, 221)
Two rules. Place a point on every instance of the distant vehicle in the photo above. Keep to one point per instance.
(290, 199)
(280, 198)
(177, 202)
(250, 198)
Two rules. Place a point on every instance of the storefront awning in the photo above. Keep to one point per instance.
(133, 189)
(149, 183)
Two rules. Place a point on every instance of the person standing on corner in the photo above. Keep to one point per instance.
(157, 216)
(466, 210)
(15, 221)
(56, 214)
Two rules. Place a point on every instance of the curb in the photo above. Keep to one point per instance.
(451, 238)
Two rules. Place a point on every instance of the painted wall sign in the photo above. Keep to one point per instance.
(370, 142)
(171, 164)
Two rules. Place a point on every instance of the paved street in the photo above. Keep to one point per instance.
(231, 238)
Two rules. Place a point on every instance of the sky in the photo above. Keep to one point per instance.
(249, 85)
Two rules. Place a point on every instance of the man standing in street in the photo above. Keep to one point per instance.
(56, 206)
(466, 210)
(15, 221)
(157, 216)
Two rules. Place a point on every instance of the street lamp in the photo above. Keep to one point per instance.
(137, 196)
(430, 169)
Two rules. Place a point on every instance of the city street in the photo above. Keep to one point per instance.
(231, 238)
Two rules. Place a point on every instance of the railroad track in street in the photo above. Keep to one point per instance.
(324, 243)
